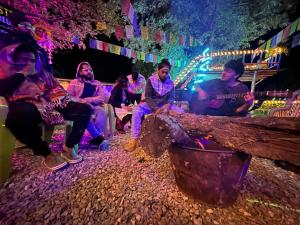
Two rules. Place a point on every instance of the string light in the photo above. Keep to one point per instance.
(204, 57)
(277, 50)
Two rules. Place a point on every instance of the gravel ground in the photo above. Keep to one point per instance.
(115, 187)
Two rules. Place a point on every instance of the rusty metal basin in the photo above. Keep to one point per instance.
(210, 176)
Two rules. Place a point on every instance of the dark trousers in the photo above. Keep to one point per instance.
(23, 120)
(135, 97)
(120, 124)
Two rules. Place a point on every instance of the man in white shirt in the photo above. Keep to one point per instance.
(136, 86)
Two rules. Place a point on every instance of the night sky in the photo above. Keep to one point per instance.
(107, 67)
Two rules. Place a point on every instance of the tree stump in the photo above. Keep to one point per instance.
(271, 138)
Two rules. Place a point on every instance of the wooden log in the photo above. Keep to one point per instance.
(272, 138)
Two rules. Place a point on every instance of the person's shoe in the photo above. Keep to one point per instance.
(54, 162)
(95, 142)
(70, 155)
(104, 145)
(131, 145)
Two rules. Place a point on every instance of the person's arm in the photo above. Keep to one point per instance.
(148, 97)
(115, 99)
(99, 97)
(71, 90)
(9, 85)
(140, 85)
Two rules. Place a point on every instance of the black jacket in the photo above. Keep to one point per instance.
(116, 97)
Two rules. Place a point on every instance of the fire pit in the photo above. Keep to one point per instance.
(211, 176)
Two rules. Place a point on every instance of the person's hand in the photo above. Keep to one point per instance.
(249, 98)
(129, 108)
(201, 94)
(164, 109)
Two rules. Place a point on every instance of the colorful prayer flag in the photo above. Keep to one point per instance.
(133, 54)
(92, 43)
(138, 55)
(286, 32)
(268, 45)
(173, 39)
(181, 39)
(155, 58)
(105, 47)
(111, 48)
(101, 26)
(294, 26)
(76, 40)
(119, 32)
(191, 41)
(157, 37)
(125, 4)
(167, 38)
(136, 27)
(279, 37)
(147, 58)
(179, 63)
(162, 37)
(143, 56)
(129, 31)
(117, 50)
(123, 51)
(131, 14)
(159, 58)
(187, 40)
(296, 40)
(273, 41)
(99, 45)
(128, 52)
(151, 34)
(145, 33)
(263, 46)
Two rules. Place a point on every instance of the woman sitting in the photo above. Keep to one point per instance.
(120, 100)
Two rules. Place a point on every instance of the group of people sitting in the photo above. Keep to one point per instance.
(36, 97)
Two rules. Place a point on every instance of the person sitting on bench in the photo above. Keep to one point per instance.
(35, 97)
(121, 102)
(86, 89)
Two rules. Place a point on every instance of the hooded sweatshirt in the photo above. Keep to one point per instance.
(158, 93)
(76, 88)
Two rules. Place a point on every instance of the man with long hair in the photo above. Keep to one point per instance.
(86, 89)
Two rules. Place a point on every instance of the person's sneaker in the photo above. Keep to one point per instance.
(104, 145)
(95, 142)
(130, 146)
(54, 162)
(70, 155)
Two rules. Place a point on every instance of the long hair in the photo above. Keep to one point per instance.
(121, 80)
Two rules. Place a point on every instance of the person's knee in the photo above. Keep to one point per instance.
(138, 110)
(86, 109)
(22, 113)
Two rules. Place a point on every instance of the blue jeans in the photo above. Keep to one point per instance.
(98, 122)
